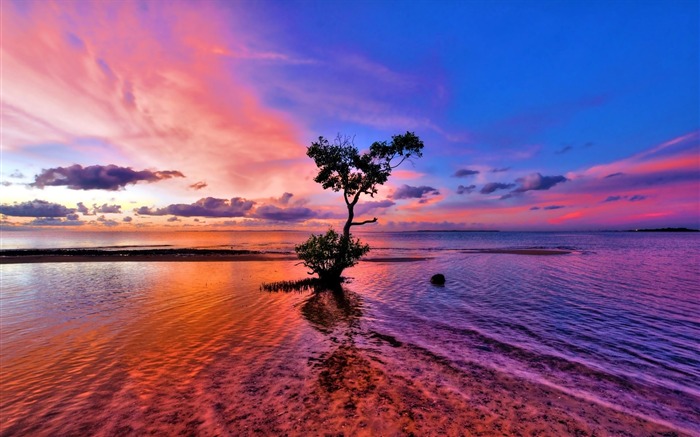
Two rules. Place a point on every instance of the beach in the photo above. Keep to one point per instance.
(507, 346)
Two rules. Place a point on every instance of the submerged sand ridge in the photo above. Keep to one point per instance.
(366, 383)
(330, 373)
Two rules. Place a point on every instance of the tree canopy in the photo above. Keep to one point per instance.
(341, 166)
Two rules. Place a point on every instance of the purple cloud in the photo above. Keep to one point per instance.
(464, 172)
(107, 222)
(127, 219)
(284, 199)
(99, 177)
(613, 175)
(564, 150)
(500, 170)
(106, 209)
(292, 214)
(198, 185)
(409, 192)
(493, 186)
(366, 207)
(547, 208)
(635, 198)
(36, 208)
(536, 181)
(83, 209)
(612, 199)
(465, 190)
(53, 221)
(206, 207)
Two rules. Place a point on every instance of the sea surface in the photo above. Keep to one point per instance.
(140, 347)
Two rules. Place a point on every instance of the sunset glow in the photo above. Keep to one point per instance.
(165, 115)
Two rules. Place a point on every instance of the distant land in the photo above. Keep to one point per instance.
(665, 230)
(458, 230)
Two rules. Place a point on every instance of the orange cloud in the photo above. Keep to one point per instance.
(150, 81)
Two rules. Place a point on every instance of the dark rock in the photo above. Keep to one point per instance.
(438, 279)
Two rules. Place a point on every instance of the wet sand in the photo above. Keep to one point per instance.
(337, 378)
(136, 255)
(359, 383)
(370, 384)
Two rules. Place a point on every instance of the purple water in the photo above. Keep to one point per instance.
(615, 322)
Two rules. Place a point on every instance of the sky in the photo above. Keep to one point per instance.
(535, 115)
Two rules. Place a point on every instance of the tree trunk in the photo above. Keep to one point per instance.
(348, 223)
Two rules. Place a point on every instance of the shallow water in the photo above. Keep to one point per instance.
(105, 348)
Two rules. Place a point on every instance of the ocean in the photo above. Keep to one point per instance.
(196, 347)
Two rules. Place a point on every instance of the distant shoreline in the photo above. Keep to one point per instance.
(664, 230)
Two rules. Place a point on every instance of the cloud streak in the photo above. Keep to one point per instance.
(107, 209)
(410, 192)
(464, 172)
(198, 185)
(206, 207)
(536, 181)
(53, 221)
(99, 177)
(494, 186)
(461, 189)
(291, 214)
(369, 206)
(36, 208)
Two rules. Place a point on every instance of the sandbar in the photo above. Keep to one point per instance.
(145, 255)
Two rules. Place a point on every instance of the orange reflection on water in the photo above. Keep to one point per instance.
(77, 369)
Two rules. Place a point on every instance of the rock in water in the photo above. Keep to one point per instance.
(438, 279)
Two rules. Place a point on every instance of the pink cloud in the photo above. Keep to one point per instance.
(406, 174)
(655, 188)
(678, 154)
(566, 217)
(149, 80)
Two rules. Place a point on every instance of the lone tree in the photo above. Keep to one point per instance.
(341, 167)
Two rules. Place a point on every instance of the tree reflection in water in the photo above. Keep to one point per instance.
(330, 307)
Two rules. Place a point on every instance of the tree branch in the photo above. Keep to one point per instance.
(374, 220)
(400, 162)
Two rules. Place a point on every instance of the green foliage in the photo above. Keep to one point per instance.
(329, 254)
(300, 285)
(343, 168)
